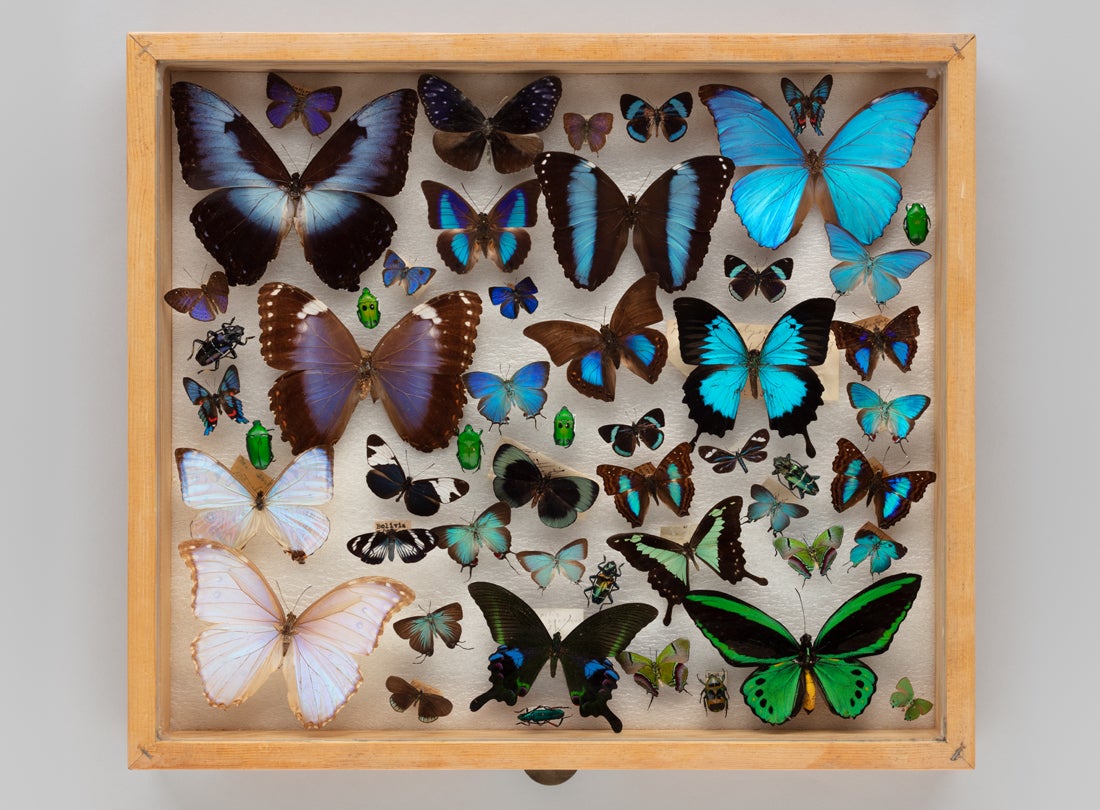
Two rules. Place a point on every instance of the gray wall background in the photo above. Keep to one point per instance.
(63, 677)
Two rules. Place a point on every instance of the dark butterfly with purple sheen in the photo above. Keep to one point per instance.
(585, 654)
(469, 234)
(374, 548)
(430, 705)
(511, 297)
(463, 130)
(724, 461)
(225, 400)
(388, 480)
(415, 368)
(289, 102)
(420, 631)
(594, 357)
(863, 342)
(256, 199)
(643, 120)
(671, 221)
(859, 476)
(594, 130)
(716, 541)
(769, 282)
(203, 303)
(669, 482)
(624, 439)
(807, 107)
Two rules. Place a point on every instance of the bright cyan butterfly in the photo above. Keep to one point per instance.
(567, 561)
(489, 530)
(881, 272)
(896, 416)
(875, 545)
(526, 389)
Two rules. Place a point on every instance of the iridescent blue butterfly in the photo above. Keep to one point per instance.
(257, 200)
(395, 270)
(489, 530)
(896, 416)
(668, 482)
(513, 296)
(469, 234)
(845, 180)
(857, 476)
(643, 119)
(526, 389)
(863, 342)
(871, 543)
(288, 102)
(203, 303)
(807, 107)
(779, 513)
(781, 368)
(857, 265)
(225, 400)
(671, 221)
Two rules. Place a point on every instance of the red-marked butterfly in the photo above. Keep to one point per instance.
(225, 400)
(807, 107)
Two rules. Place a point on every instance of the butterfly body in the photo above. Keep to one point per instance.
(203, 303)
(468, 234)
(388, 480)
(671, 221)
(513, 297)
(905, 698)
(865, 341)
(880, 272)
(568, 561)
(584, 654)
(405, 694)
(791, 675)
(779, 513)
(394, 271)
(669, 483)
(255, 200)
(724, 461)
(288, 102)
(489, 530)
(807, 108)
(225, 401)
(558, 499)
(388, 542)
(859, 476)
(643, 120)
(669, 667)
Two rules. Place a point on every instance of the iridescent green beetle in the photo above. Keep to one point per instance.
(368, 309)
(541, 716)
(258, 443)
(794, 476)
(469, 448)
(917, 223)
(565, 428)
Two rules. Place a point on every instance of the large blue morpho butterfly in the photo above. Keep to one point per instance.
(488, 530)
(526, 389)
(672, 220)
(857, 476)
(881, 272)
(790, 674)
(203, 303)
(624, 439)
(415, 368)
(511, 297)
(724, 461)
(463, 130)
(802, 556)
(289, 102)
(420, 631)
(807, 107)
(395, 270)
(643, 120)
(567, 561)
(374, 548)
(872, 543)
(896, 416)
(846, 180)
(715, 541)
(769, 282)
(388, 480)
(781, 367)
(669, 482)
(863, 342)
(242, 223)
(594, 356)
(779, 513)
(225, 400)
(585, 654)
(558, 498)
(469, 234)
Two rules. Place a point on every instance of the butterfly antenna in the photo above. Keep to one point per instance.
(802, 605)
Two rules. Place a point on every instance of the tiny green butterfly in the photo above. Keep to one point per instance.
(903, 698)
(670, 668)
(803, 556)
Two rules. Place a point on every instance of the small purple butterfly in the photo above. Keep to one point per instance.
(594, 130)
(288, 102)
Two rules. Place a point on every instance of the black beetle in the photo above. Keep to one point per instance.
(219, 345)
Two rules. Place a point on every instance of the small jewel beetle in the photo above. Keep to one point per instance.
(565, 428)
(367, 309)
(794, 476)
(604, 582)
(917, 223)
(219, 345)
(469, 448)
(258, 444)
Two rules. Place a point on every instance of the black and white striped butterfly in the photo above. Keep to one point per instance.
(388, 480)
(388, 542)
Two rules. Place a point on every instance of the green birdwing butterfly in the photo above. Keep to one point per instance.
(790, 674)
(669, 668)
(803, 556)
(906, 698)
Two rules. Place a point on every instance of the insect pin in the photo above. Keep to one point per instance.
(216, 346)
(714, 695)
(794, 476)
(541, 716)
(604, 582)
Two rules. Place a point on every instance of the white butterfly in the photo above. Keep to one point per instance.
(233, 510)
(252, 635)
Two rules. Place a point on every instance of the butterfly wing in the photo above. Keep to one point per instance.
(460, 139)
(202, 303)
(717, 542)
(512, 140)
(517, 477)
(387, 479)
(899, 338)
(898, 493)
(665, 562)
(524, 643)
(862, 346)
(563, 497)
(227, 400)
(208, 405)
(529, 387)
(817, 98)
(285, 103)
(880, 272)
(672, 480)
(290, 506)
(644, 351)
(744, 281)
(227, 509)
(598, 127)
(374, 548)
(640, 115)
(872, 543)
(494, 397)
(796, 554)
(576, 129)
(591, 369)
(675, 216)
(854, 476)
(589, 215)
(449, 212)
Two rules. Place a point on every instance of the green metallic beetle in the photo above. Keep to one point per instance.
(258, 443)
(565, 428)
(794, 476)
(541, 716)
(367, 309)
(469, 448)
(917, 223)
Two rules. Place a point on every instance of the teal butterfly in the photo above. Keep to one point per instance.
(668, 668)
(542, 565)
(803, 556)
(790, 674)
(488, 530)
(895, 416)
(872, 543)
(420, 631)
